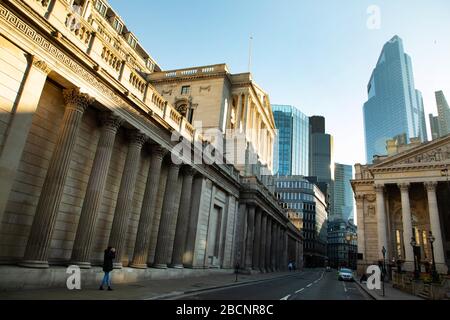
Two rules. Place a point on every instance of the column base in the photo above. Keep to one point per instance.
(81, 265)
(408, 266)
(442, 268)
(138, 266)
(177, 266)
(159, 266)
(34, 264)
(117, 265)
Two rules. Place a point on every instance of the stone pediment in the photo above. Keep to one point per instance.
(435, 152)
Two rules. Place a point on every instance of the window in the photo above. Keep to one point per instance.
(101, 7)
(132, 41)
(185, 89)
(117, 25)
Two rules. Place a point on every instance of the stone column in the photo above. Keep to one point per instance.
(274, 246)
(381, 222)
(20, 126)
(359, 199)
(285, 250)
(164, 239)
(262, 245)
(407, 226)
(239, 112)
(268, 245)
(183, 218)
(435, 224)
(250, 237)
(257, 240)
(142, 244)
(191, 236)
(36, 253)
(119, 227)
(81, 252)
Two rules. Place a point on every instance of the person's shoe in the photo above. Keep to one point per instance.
(101, 288)
(110, 289)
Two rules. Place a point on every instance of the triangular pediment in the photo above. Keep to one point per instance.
(429, 153)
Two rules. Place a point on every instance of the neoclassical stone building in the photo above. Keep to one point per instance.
(404, 196)
(213, 97)
(86, 161)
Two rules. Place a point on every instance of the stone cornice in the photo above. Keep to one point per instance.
(409, 167)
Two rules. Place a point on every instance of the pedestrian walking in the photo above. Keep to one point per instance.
(110, 255)
(290, 266)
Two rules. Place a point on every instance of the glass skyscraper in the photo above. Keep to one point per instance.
(342, 192)
(394, 107)
(291, 150)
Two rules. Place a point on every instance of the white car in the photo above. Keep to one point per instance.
(345, 274)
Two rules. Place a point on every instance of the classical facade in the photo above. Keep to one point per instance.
(402, 197)
(87, 160)
(211, 97)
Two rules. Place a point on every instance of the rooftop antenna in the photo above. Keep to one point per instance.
(250, 54)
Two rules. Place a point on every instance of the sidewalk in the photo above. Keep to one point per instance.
(390, 293)
(145, 290)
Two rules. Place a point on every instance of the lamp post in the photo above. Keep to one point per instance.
(416, 271)
(434, 274)
(383, 251)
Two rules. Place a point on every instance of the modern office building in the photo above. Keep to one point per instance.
(342, 244)
(434, 126)
(443, 114)
(394, 106)
(321, 157)
(342, 193)
(306, 199)
(291, 150)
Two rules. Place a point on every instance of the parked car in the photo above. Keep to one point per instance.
(345, 274)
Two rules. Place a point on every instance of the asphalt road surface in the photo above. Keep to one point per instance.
(311, 284)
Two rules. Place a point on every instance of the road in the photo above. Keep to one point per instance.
(311, 284)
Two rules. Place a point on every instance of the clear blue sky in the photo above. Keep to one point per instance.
(315, 54)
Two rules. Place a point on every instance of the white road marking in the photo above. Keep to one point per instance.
(298, 291)
(285, 298)
(309, 285)
(345, 288)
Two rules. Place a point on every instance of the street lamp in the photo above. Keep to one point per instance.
(434, 274)
(383, 251)
(416, 271)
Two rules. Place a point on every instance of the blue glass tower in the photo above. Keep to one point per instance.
(291, 150)
(342, 192)
(394, 107)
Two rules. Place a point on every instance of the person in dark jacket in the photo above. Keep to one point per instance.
(110, 255)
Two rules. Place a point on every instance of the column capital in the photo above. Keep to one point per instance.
(73, 98)
(110, 120)
(158, 151)
(404, 186)
(379, 188)
(40, 65)
(430, 185)
(137, 137)
(187, 170)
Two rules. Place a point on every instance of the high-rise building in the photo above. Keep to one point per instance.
(443, 114)
(394, 106)
(321, 150)
(434, 125)
(321, 158)
(291, 151)
(342, 192)
(303, 197)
